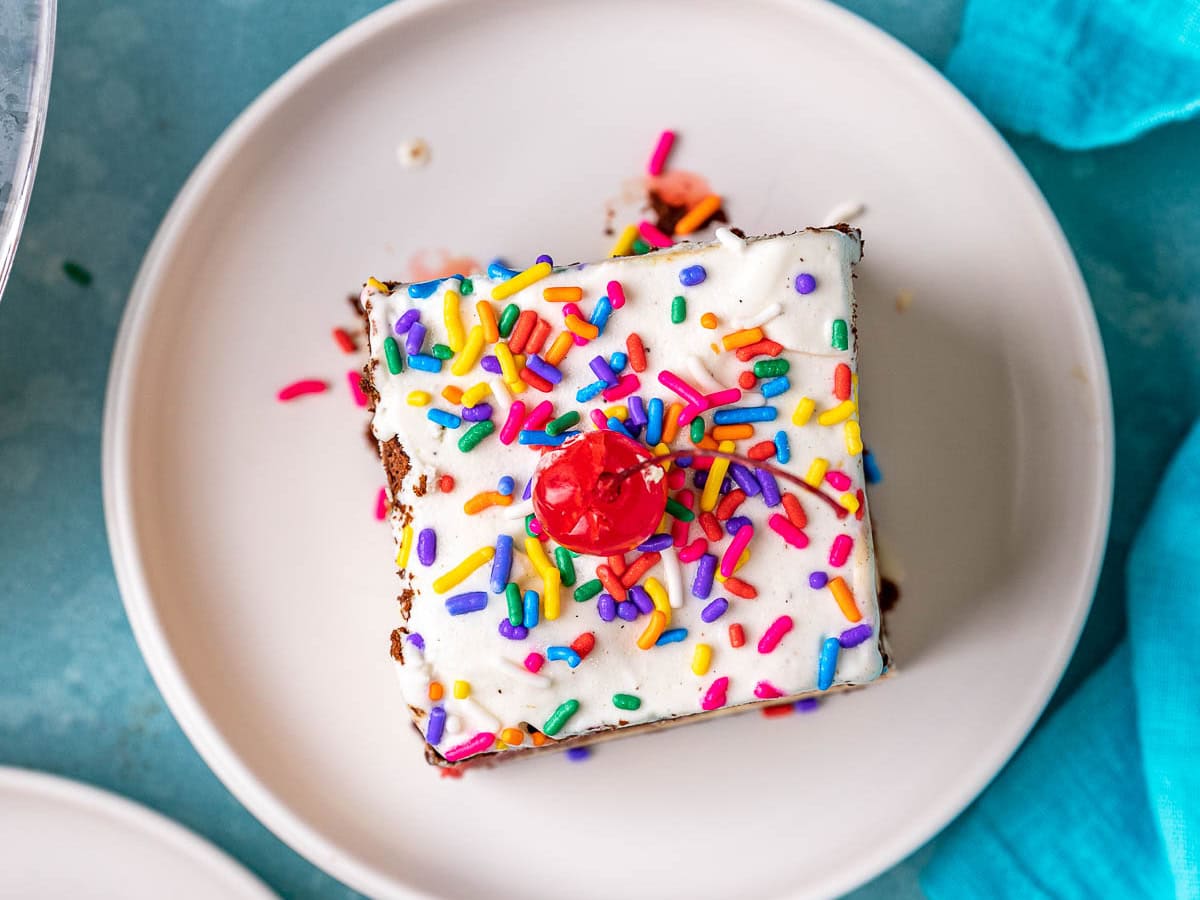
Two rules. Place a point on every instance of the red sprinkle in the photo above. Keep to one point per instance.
(381, 505)
(795, 512)
(445, 483)
(300, 388)
(841, 382)
(640, 567)
(534, 380)
(747, 380)
(676, 479)
(679, 531)
(729, 503)
(584, 644)
(611, 582)
(537, 338)
(762, 450)
(521, 331)
(765, 347)
(862, 505)
(637, 352)
(342, 336)
(774, 712)
(355, 379)
(710, 526)
(737, 637)
(740, 588)
(617, 563)
(693, 551)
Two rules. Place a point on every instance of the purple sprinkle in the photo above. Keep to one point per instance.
(745, 479)
(700, 477)
(736, 523)
(480, 412)
(528, 492)
(490, 364)
(544, 258)
(417, 641)
(406, 321)
(506, 629)
(603, 370)
(770, 487)
(427, 546)
(656, 543)
(641, 598)
(627, 610)
(692, 276)
(436, 726)
(852, 637)
(578, 754)
(416, 337)
(714, 610)
(805, 283)
(727, 485)
(818, 580)
(543, 368)
(706, 569)
(606, 606)
(806, 705)
(637, 411)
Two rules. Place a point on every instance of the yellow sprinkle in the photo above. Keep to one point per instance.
(454, 325)
(716, 475)
(521, 281)
(477, 394)
(459, 573)
(452, 394)
(701, 659)
(487, 318)
(406, 542)
(584, 329)
(654, 630)
(625, 241)
(708, 320)
(849, 501)
(742, 560)
(743, 338)
(816, 472)
(471, 351)
(519, 360)
(461, 690)
(551, 594)
(804, 411)
(671, 422)
(837, 414)
(419, 398)
(508, 365)
(537, 556)
(620, 411)
(845, 599)
(658, 594)
(661, 449)
(514, 737)
(378, 285)
(854, 444)
(516, 387)
(558, 349)
(436, 691)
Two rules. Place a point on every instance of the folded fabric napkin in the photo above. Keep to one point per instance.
(1104, 800)
(1080, 73)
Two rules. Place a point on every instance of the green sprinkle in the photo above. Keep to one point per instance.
(516, 610)
(508, 318)
(679, 511)
(392, 351)
(678, 310)
(841, 337)
(769, 368)
(559, 717)
(562, 423)
(466, 287)
(441, 351)
(475, 434)
(529, 525)
(640, 247)
(626, 701)
(566, 566)
(588, 590)
(77, 273)
(697, 431)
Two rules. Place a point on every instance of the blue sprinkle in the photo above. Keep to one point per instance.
(714, 610)
(600, 313)
(684, 461)
(498, 271)
(655, 543)
(852, 637)
(827, 664)
(736, 415)
(532, 608)
(501, 564)
(805, 283)
(806, 705)
(871, 468)
(770, 487)
(654, 421)
(618, 361)
(706, 569)
(671, 636)
(735, 523)
(637, 411)
(539, 438)
(491, 364)
(563, 653)
(528, 492)
(606, 606)
(818, 580)
(416, 640)
(615, 424)
(437, 725)
(627, 610)
(692, 276)
(776, 386)
(423, 362)
(745, 479)
(423, 289)
(415, 338)
(578, 754)
(472, 601)
(604, 372)
(783, 449)
(443, 418)
(641, 599)
(406, 321)
(506, 485)
(589, 391)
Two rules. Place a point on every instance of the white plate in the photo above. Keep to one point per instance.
(65, 839)
(261, 590)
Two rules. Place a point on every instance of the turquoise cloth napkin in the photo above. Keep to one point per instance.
(1080, 73)
(1104, 800)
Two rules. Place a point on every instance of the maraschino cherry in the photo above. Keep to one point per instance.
(590, 495)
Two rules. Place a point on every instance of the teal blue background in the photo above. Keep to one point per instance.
(141, 89)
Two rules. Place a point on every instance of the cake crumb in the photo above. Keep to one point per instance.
(904, 300)
(413, 153)
(845, 212)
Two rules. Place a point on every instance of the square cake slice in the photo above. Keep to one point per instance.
(745, 587)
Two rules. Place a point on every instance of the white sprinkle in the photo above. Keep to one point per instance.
(845, 212)
(413, 153)
(501, 395)
(674, 578)
(518, 510)
(762, 317)
(537, 678)
(699, 371)
(479, 718)
(729, 240)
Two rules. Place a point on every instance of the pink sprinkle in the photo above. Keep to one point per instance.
(669, 379)
(840, 551)
(512, 425)
(570, 309)
(659, 158)
(536, 527)
(534, 662)
(714, 697)
(734, 551)
(789, 532)
(541, 414)
(623, 388)
(764, 690)
(599, 418)
(300, 388)
(693, 551)
(381, 505)
(479, 743)
(652, 235)
(355, 379)
(839, 481)
(774, 634)
(690, 412)
(616, 294)
(721, 398)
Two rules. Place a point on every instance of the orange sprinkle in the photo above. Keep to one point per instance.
(539, 739)
(514, 737)
(611, 582)
(637, 352)
(765, 347)
(486, 499)
(744, 338)
(445, 483)
(695, 217)
(436, 691)
(710, 526)
(521, 331)
(671, 423)
(795, 512)
(562, 294)
(640, 567)
(742, 589)
(737, 432)
(841, 382)
(616, 562)
(344, 340)
(843, 596)
(487, 318)
(453, 394)
(583, 329)
(558, 348)
(761, 450)
(707, 443)
(708, 320)
(747, 380)
(729, 504)
(537, 339)
(737, 637)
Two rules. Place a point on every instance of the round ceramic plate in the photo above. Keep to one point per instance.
(65, 839)
(262, 590)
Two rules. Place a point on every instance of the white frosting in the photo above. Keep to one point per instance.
(748, 281)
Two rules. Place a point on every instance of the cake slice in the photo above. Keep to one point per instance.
(744, 588)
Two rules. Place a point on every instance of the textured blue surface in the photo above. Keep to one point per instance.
(141, 90)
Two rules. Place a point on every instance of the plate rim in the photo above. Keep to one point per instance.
(145, 820)
(139, 604)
